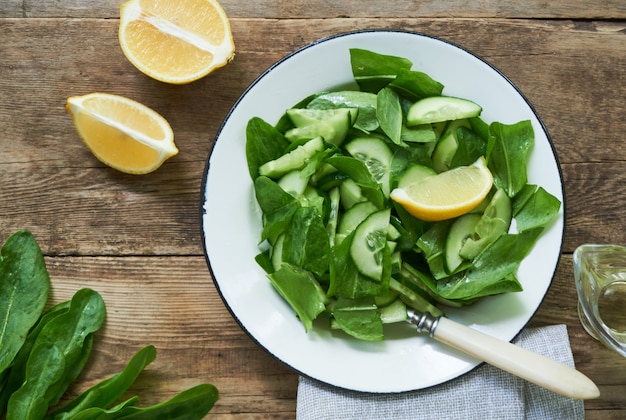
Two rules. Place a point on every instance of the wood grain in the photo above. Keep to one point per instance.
(284, 9)
(137, 239)
(49, 164)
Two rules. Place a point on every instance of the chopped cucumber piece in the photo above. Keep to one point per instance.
(447, 146)
(386, 299)
(414, 299)
(461, 229)
(351, 193)
(364, 101)
(376, 155)
(331, 124)
(294, 183)
(277, 252)
(333, 215)
(494, 222)
(354, 216)
(369, 242)
(295, 159)
(394, 312)
(393, 234)
(415, 174)
(441, 108)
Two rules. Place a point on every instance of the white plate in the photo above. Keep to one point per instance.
(231, 220)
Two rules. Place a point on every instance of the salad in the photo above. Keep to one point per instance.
(336, 244)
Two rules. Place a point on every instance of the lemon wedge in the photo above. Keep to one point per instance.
(448, 194)
(122, 133)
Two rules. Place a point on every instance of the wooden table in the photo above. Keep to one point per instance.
(136, 239)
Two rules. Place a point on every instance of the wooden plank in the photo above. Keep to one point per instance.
(570, 9)
(157, 300)
(172, 304)
(92, 210)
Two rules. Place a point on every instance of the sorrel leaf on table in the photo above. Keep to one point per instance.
(47, 367)
(99, 413)
(24, 289)
(58, 355)
(17, 373)
(193, 403)
(108, 391)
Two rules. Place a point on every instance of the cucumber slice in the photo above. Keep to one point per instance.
(441, 108)
(494, 222)
(386, 299)
(333, 214)
(364, 101)
(376, 155)
(296, 159)
(354, 216)
(277, 252)
(460, 230)
(369, 243)
(331, 124)
(294, 183)
(350, 193)
(415, 174)
(394, 312)
(447, 146)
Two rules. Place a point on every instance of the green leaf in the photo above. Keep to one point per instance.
(347, 281)
(508, 158)
(59, 353)
(193, 403)
(17, 373)
(389, 114)
(433, 243)
(373, 71)
(277, 205)
(470, 148)
(365, 102)
(494, 270)
(263, 144)
(301, 290)
(108, 391)
(359, 318)
(24, 289)
(358, 171)
(46, 368)
(415, 84)
(99, 413)
(539, 211)
(306, 243)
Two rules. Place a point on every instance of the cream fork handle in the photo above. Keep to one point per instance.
(523, 363)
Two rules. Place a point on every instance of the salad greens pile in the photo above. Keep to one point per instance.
(43, 352)
(335, 245)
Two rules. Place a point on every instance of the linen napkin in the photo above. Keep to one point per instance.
(485, 393)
